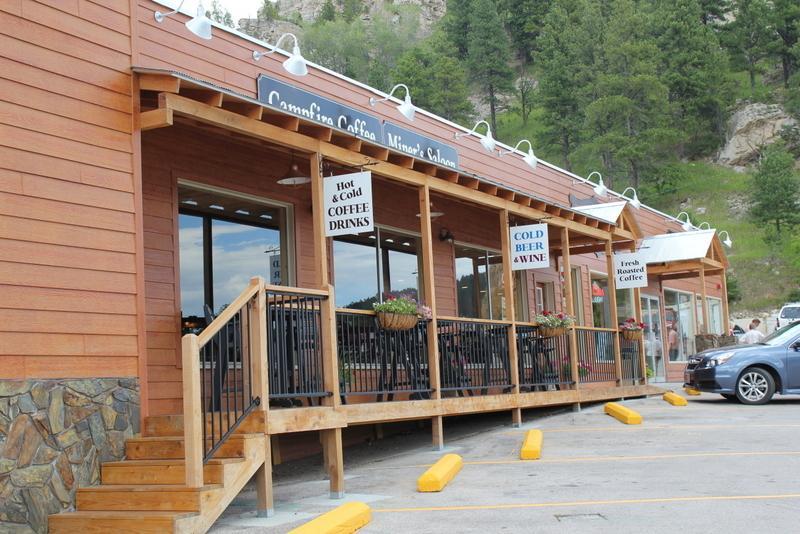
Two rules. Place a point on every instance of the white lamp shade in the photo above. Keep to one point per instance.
(728, 243)
(600, 189)
(635, 201)
(687, 225)
(200, 25)
(530, 159)
(488, 141)
(296, 64)
(407, 108)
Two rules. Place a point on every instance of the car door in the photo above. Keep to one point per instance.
(793, 365)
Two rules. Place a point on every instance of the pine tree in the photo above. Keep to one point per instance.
(524, 20)
(217, 13)
(786, 20)
(489, 55)
(693, 67)
(750, 36)
(327, 13)
(713, 11)
(776, 190)
(456, 25)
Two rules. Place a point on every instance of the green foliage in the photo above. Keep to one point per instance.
(437, 79)
(393, 31)
(219, 14)
(786, 22)
(400, 305)
(524, 20)
(456, 25)
(489, 55)
(351, 9)
(713, 11)
(734, 291)
(750, 37)
(776, 190)
(327, 13)
(339, 45)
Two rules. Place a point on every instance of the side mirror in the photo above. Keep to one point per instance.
(795, 346)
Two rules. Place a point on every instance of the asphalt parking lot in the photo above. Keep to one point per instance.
(711, 466)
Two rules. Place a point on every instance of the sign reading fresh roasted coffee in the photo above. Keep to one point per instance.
(348, 204)
(530, 248)
(315, 108)
(630, 270)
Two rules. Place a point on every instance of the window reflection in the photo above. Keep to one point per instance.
(479, 283)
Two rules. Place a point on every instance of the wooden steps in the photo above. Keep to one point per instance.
(172, 425)
(146, 492)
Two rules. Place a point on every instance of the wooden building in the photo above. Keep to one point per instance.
(168, 294)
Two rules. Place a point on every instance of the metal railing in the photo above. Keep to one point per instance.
(544, 362)
(380, 362)
(294, 346)
(473, 356)
(631, 360)
(596, 354)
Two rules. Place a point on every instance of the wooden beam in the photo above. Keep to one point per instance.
(445, 174)
(506, 194)
(251, 111)
(567, 293)
(612, 308)
(725, 312)
(334, 461)
(155, 118)
(347, 141)
(424, 167)
(678, 276)
(162, 83)
(193, 424)
(470, 183)
(489, 189)
(510, 310)
(318, 132)
(675, 266)
(429, 292)
(208, 97)
(378, 152)
(405, 162)
(704, 304)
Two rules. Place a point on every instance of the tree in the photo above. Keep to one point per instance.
(694, 68)
(339, 46)
(456, 25)
(393, 31)
(217, 13)
(714, 11)
(786, 20)
(750, 36)
(526, 86)
(524, 20)
(351, 9)
(489, 55)
(775, 190)
(437, 80)
(327, 13)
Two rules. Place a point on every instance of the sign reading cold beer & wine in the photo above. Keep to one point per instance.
(348, 204)
(630, 270)
(530, 248)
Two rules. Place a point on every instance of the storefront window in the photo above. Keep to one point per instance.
(224, 241)
(369, 267)
(680, 324)
(479, 283)
(601, 316)
(715, 316)
(577, 294)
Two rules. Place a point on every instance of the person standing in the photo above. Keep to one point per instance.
(674, 339)
(753, 334)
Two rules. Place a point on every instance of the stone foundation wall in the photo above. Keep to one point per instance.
(53, 436)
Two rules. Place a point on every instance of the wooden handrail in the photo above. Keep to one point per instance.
(228, 313)
(471, 320)
(289, 290)
(356, 312)
(594, 329)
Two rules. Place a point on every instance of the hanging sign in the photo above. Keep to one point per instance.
(275, 269)
(348, 204)
(418, 146)
(530, 247)
(630, 270)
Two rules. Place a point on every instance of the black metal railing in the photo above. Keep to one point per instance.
(294, 347)
(226, 380)
(380, 362)
(543, 361)
(631, 360)
(473, 356)
(595, 355)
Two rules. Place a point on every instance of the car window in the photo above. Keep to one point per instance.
(790, 312)
(783, 335)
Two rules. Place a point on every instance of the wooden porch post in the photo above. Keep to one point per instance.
(726, 322)
(573, 337)
(508, 290)
(331, 438)
(704, 296)
(429, 289)
(192, 412)
(612, 308)
(259, 367)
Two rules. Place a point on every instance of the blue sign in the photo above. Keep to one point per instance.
(289, 99)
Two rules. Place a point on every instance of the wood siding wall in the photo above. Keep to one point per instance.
(68, 266)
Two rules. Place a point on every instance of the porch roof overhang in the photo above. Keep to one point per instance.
(684, 254)
(179, 94)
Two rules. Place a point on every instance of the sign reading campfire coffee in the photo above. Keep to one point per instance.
(630, 270)
(284, 97)
(530, 248)
(348, 204)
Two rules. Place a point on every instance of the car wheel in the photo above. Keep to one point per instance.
(755, 386)
(730, 397)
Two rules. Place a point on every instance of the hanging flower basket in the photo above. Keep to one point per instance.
(549, 331)
(397, 321)
(632, 335)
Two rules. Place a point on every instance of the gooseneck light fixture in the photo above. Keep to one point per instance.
(406, 108)
(727, 241)
(200, 25)
(600, 189)
(487, 140)
(635, 202)
(700, 226)
(528, 158)
(687, 225)
(296, 64)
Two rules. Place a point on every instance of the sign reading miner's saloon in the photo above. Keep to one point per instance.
(530, 248)
(348, 204)
(315, 108)
(630, 270)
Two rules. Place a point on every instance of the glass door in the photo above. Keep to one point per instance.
(653, 341)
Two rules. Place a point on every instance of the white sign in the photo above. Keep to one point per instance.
(348, 204)
(630, 270)
(530, 248)
(275, 269)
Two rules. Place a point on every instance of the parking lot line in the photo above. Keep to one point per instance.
(617, 428)
(656, 500)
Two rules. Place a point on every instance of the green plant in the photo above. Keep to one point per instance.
(549, 319)
(649, 372)
(399, 305)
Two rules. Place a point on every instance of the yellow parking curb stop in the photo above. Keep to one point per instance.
(344, 519)
(674, 399)
(622, 413)
(692, 391)
(440, 473)
(531, 446)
